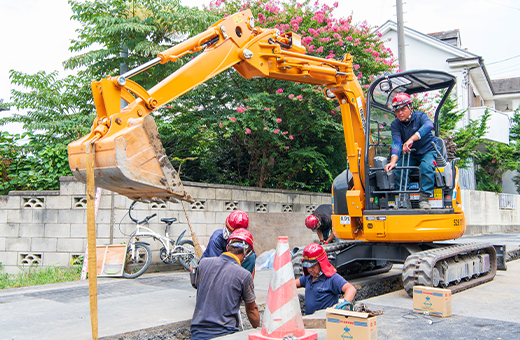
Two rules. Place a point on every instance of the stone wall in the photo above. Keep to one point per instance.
(49, 227)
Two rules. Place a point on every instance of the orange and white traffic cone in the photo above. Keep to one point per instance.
(282, 315)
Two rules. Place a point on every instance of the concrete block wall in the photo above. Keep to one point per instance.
(50, 227)
(484, 215)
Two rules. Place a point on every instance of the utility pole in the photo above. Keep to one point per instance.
(400, 35)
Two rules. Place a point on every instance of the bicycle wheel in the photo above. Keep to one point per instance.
(137, 264)
(188, 260)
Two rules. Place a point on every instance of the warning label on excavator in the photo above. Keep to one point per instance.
(344, 219)
(437, 193)
(238, 19)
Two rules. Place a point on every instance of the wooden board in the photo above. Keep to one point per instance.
(110, 260)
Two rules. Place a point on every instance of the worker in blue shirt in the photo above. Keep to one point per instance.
(322, 284)
(218, 241)
(413, 128)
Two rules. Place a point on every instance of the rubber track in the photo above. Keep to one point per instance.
(418, 267)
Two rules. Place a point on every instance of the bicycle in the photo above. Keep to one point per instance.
(139, 254)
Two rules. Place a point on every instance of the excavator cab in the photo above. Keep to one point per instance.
(383, 192)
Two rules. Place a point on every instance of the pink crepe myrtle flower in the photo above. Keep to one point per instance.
(265, 127)
(279, 91)
(248, 131)
(291, 96)
(220, 125)
(385, 116)
(276, 131)
(286, 148)
(300, 97)
(233, 119)
(285, 132)
(319, 49)
(240, 109)
(291, 137)
(356, 66)
(168, 107)
(278, 120)
(360, 75)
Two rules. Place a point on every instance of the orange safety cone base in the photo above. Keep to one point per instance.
(308, 335)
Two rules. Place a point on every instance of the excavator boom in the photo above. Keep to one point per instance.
(129, 157)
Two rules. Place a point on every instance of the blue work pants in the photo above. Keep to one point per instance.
(425, 163)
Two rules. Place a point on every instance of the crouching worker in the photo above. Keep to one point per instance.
(322, 284)
(238, 219)
(221, 284)
(320, 221)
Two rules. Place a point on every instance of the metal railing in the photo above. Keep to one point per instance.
(507, 201)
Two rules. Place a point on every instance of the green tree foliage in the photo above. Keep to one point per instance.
(34, 165)
(460, 143)
(261, 132)
(496, 159)
(266, 132)
(514, 139)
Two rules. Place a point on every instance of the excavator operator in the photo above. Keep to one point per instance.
(413, 127)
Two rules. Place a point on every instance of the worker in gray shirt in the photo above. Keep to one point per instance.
(221, 284)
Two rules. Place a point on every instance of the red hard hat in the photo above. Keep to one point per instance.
(311, 222)
(400, 100)
(236, 220)
(313, 254)
(242, 235)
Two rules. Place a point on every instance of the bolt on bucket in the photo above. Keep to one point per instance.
(131, 162)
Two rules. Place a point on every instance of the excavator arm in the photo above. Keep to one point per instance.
(129, 157)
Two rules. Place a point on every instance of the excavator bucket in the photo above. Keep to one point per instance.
(131, 162)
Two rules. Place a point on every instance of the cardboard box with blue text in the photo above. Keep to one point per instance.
(435, 301)
(343, 324)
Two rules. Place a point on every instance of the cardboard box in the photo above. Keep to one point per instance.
(435, 301)
(343, 324)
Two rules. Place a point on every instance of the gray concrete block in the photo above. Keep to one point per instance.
(10, 202)
(3, 216)
(31, 230)
(45, 216)
(8, 258)
(280, 198)
(17, 244)
(223, 194)
(70, 245)
(2, 243)
(43, 244)
(238, 195)
(73, 188)
(275, 207)
(291, 198)
(220, 218)
(121, 202)
(103, 230)
(104, 216)
(72, 216)
(58, 230)
(198, 229)
(78, 230)
(303, 199)
(11, 270)
(215, 205)
(256, 196)
(247, 206)
(56, 259)
(105, 202)
(9, 229)
(19, 216)
(203, 217)
(58, 202)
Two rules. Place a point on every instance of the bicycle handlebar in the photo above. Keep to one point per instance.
(146, 219)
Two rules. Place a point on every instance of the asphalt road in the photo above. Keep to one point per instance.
(61, 311)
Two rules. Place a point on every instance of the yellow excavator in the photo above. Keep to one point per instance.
(367, 209)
